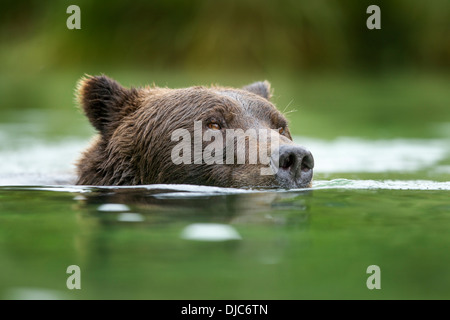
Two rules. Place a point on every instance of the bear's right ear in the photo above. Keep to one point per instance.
(101, 99)
(261, 88)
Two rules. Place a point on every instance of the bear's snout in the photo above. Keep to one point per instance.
(294, 166)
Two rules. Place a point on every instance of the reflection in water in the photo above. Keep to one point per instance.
(105, 203)
(210, 232)
(113, 207)
(130, 217)
(214, 218)
(24, 293)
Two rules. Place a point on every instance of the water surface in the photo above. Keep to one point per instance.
(373, 202)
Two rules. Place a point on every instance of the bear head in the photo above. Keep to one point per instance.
(217, 136)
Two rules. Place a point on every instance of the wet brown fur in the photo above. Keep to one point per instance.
(134, 144)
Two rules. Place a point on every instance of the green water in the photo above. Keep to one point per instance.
(294, 245)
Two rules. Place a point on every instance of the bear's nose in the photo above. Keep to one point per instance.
(295, 166)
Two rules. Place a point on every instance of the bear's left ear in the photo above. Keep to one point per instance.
(102, 100)
(261, 88)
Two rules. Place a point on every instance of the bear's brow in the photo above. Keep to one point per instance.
(265, 111)
(257, 106)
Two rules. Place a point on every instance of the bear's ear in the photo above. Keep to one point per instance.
(261, 88)
(101, 99)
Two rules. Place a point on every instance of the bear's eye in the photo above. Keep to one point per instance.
(281, 130)
(214, 126)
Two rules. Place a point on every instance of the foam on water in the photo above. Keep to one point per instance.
(382, 184)
(32, 161)
(179, 191)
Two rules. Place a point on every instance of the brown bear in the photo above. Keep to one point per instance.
(140, 131)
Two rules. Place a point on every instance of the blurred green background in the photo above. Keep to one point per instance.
(339, 77)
